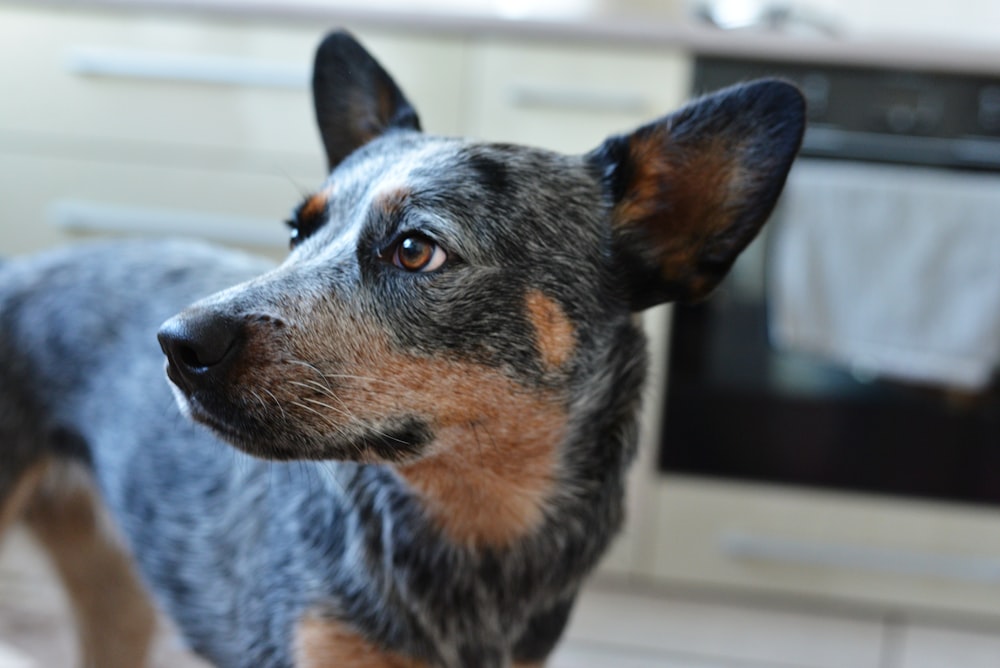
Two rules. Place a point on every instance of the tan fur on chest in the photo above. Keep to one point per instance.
(328, 643)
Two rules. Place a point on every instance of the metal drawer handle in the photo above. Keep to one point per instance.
(123, 63)
(744, 545)
(531, 97)
(84, 216)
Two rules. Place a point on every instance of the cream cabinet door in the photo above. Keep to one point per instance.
(569, 96)
(55, 200)
(185, 80)
(117, 116)
(940, 647)
(622, 627)
(882, 553)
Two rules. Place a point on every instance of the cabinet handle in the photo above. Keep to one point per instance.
(530, 97)
(84, 216)
(124, 63)
(744, 545)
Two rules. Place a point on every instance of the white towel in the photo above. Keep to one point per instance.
(891, 270)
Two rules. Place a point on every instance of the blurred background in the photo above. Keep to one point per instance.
(819, 484)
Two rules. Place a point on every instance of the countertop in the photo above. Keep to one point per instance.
(604, 21)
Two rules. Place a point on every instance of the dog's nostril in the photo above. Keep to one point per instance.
(189, 356)
(196, 342)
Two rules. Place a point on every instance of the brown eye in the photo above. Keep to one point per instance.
(416, 252)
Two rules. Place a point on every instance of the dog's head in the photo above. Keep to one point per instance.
(444, 294)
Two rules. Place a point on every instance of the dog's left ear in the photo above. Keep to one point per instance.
(689, 192)
(355, 98)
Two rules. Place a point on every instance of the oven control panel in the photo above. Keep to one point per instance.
(883, 115)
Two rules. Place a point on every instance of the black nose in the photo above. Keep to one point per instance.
(199, 345)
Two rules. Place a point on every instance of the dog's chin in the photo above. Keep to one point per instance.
(181, 399)
(396, 441)
(394, 446)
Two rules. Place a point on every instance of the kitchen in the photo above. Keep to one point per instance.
(185, 117)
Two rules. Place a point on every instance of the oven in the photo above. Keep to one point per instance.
(831, 416)
(759, 390)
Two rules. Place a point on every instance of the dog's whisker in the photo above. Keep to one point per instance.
(335, 409)
(260, 400)
(324, 391)
(355, 420)
(344, 408)
(384, 386)
(309, 366)
(323, 416)
(326, 376)
(312, 384)
(277, 403)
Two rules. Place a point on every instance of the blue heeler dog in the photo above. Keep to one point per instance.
(432, 400)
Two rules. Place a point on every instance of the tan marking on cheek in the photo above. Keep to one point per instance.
(554, 333)
(494, 462)
(328, 643)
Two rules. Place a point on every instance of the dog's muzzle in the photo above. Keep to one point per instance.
(200, 347)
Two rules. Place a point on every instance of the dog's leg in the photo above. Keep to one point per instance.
(115, 618)
(18, 491)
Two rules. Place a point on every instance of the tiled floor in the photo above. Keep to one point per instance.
(36, 630)
(612, 627)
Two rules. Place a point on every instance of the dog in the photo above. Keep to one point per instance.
(405, 445)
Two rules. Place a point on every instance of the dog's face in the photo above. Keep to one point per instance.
(431, 284)
(443, 293)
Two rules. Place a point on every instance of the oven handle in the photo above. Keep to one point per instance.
(748, 546)
(970, 152)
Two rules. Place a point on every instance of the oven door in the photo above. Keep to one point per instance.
(854, 344)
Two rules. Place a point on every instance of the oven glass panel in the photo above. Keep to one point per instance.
(738, 407)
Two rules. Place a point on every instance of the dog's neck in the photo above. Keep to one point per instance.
(527, 458)
(486, 483)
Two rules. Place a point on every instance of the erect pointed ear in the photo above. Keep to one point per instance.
(690, 191)
(355, 99)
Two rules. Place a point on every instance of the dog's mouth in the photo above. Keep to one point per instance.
(277, 432)
(241, 378)
(194, 408)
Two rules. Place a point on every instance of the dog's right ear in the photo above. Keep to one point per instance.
(355, 98)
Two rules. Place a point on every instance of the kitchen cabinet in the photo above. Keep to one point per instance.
(145, 114)
(612, 627)
(569, 96)
(925, 646)
(898, 556)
